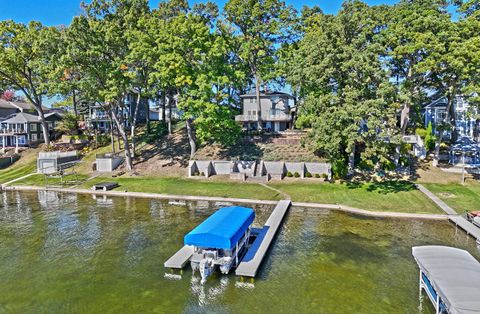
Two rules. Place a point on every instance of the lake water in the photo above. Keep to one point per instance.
(67, 253)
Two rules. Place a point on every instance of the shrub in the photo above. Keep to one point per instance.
(365, 165)
(339, 169)
(421, 132)
(296, 175)
(324, 175)
(289, 174)
(202, 174)
(317, 175)
(388, 165)
(308, 175)
(195, 173)
(103, 140)
(430, 138)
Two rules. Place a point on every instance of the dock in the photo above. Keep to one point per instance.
(105, 186)
(179, 259)
(466, 225)
(252, 260)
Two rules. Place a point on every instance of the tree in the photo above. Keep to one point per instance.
(27, 53)
(348, 98)
(8, 95)
(411, 37)
(262, 26)
(69, 124)
(97, 45)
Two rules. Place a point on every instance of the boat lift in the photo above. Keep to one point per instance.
(226, 240)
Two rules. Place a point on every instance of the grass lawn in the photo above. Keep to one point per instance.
(26, 165)
(459, 197)
(180, 186)
(384, 196)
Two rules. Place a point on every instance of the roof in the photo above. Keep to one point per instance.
(266, 94)
(223, 229)
(22, 117)
(18, 105)
(455, 275)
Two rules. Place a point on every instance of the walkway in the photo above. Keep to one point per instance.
(253, 259)
(285, 195)
(453, 216)
(436, 200)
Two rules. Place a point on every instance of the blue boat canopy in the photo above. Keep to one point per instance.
(223, 229)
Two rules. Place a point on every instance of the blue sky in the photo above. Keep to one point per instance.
(55, 12)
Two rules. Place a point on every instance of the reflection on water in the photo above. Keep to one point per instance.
(84, 254)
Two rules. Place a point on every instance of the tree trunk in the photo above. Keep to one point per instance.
(351, 160)
(170, 108)
(259, 105)
(41, 115)
(191, 138)
(123, 134)
(164, 106)
(74, 100)
(134, 122)
(112, 135)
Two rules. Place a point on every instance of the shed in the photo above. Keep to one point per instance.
(108, 162)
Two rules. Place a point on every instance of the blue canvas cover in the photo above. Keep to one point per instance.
(223, 229)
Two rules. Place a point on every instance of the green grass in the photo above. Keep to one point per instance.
(384, 196)
(180, 186)
(39, 180)
(459, 197)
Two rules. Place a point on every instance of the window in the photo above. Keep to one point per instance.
(50, 125)
(33, 137)
(21, 140)
(33, 127)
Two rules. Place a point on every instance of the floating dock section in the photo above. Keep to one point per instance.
(466, 225)
(179, 259)
(253, 258)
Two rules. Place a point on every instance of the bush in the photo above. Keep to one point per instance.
(289, 174)
(317, 175)
(103, 140)
(430, 138)
(421, 132)
(296, 175)
(339, 169)
(308, 175)
(366, 165)
(388, 165)
(195, 173)
(324, 175)
(202, 174)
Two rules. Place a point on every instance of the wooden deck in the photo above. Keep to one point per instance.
(253, 258)
(181, 258)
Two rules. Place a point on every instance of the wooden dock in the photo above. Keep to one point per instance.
(466, 225)
(179, 259)
(253, 258)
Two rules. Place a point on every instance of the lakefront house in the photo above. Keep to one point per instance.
(275, 112)
(467, 124)
(98, 119)
(25, 129)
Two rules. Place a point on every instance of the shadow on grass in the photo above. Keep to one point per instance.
(385, 187)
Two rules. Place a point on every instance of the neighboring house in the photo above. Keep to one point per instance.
(9, 108)
(465, 116)
(275, 112)
(98, 119)
(25, 129)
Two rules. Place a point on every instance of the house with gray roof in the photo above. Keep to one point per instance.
(10, 108)
(275, 112)
(25, 129)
